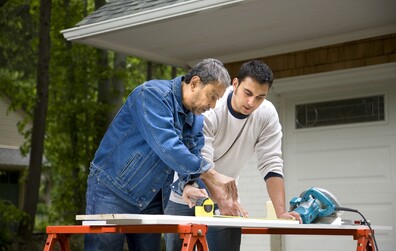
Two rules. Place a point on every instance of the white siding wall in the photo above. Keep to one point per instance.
(9, 135)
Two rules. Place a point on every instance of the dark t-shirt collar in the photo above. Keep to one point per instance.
(232, 111)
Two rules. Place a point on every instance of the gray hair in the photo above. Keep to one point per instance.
(209, 70)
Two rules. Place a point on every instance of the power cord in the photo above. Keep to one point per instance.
(365, 221)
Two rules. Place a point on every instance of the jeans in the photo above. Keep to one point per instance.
(101, 200)
(218, 238)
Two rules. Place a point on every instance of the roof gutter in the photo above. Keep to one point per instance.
(144, 17)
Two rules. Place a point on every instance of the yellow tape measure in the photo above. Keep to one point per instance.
(204, 207)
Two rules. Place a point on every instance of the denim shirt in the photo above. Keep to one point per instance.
(151, 136)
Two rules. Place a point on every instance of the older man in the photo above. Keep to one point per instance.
(156, 132)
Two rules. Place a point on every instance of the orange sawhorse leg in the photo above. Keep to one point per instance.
(365, 241)
(52, 239)
(195, 237)
(363, 236)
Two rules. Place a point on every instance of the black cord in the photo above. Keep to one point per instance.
(364, 219)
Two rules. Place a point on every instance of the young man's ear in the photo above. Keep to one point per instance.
(235, 83)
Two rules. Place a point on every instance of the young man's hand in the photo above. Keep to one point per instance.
(231, 208)
(291, 215)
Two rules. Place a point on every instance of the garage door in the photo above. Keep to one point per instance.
(340, 135)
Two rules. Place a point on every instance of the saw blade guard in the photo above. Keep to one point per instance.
(332, 201)
(315, 203)
(327, 201)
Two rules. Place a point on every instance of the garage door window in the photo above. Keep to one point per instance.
(338, 112)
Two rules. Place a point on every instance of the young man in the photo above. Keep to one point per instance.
(156, 132)
(243, 123)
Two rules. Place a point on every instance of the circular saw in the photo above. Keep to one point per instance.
(315, 203)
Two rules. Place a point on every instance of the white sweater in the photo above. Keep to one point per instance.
(262, 135)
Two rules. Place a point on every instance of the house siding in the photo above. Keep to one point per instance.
(9, 135)
(359, 53)
(12, 163)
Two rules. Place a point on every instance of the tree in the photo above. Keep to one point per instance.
(39, 121)
(81, 91)
(149, 70)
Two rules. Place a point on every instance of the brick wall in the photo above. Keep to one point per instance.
(377, 50)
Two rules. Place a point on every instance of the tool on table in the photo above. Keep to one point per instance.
(315, 203)
(204, 207)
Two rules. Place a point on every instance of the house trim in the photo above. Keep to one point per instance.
(367, 74)
(144, 17)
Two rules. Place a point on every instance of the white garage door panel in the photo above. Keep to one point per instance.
(368, 164)
(355, 162)
(371, 206)
(361, 165)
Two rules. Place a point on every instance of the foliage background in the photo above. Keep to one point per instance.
(78, 114)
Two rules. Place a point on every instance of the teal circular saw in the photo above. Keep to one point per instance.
(315, 203)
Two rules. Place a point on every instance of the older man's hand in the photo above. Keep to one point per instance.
(220, 185)
(192, 193)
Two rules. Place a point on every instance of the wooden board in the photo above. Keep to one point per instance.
(144, 219)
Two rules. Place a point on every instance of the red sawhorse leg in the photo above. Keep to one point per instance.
(363, 236)
(195, 237)
(52, 239)
(365, 241)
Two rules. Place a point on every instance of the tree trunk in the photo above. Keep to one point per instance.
(103, 92)
(118, 87)
(149, 71)
(174, 72)
(39, 122)
(103, 87)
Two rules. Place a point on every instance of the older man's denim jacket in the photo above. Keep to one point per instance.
(152, 136)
